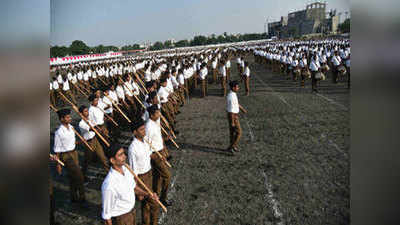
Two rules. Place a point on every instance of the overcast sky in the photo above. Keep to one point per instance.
(122, 22)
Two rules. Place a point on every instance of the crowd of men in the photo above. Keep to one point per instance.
(143, 95)
(311, 59)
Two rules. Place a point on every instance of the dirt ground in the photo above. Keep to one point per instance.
(292, 168)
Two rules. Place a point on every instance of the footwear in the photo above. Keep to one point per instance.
(167, 203)
(176, 132)
(83, 204)
(169, 157)
(235, 149)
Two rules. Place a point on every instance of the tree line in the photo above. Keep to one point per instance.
(78, 47)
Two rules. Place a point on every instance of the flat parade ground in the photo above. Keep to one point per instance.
(293, 167)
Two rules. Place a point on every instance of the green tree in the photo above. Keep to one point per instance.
(79, 48)
(157, 46)
(182, 43)
(345, 26)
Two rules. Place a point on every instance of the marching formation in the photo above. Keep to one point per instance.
(302, 60)
(142, 96)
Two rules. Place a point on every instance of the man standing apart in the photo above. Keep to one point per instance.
(233, 108)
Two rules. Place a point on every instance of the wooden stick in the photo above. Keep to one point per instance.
(80, 90)
(141, 82)
(57, 160)
(109, 117)
(77, 134)
(119, 109)
(80, 114)
(144, 186)
(168, 126)
(102, 80)
(161, 117)
(159, 155)
(83, 140)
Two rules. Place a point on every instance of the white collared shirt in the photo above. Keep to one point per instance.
(153, 134)
(107, 102)
(247, 72)
(232, 102)
(222, 70)
(96, 115)
(85, 130)
(139, 156)
(64, 139)
(113, 96)
(118, 193)
(163, 93)
(120, 92)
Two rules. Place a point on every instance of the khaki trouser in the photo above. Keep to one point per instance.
(125, 219)
(53, 98)
(247, 84)
(223, 85)
(228, 74)
(234, 132)
(70, 96)
(204, 87)
(167, 113)
(150, 208)
(214, 80)
(89, 155)
(162, 176)
(75, 176)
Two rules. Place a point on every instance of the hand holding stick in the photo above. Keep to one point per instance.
(144, 186)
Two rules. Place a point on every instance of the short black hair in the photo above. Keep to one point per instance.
(92, 97)
(62, 113)
(233, 83)
(136, 124)
(82, 108)
(110, 153)
(152, 109)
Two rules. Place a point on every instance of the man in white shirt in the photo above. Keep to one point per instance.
(96, 115)
(90, 136)
(246, 77)
(140, 155)
(222, 73)
(118, 191)
(214, 68)
(233, 108)
(203, 78)
(162, 175)
(166, 108)
(64, 147)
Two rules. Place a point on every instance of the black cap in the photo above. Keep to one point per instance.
(82, 108)
(233, 83)
(136, 124)
(152, 95)
(112, 151)
(162, 80)
(152, 109)
(92, 97)
(63, 112)
(149, 84)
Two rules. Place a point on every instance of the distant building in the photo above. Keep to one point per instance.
(312, 20)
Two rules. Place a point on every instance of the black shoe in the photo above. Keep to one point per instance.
(179, 112)
(176, 132)
(230, 150)
(167, 203)
(169, 157)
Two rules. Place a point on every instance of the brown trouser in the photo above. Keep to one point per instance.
(204, 88)
(89, 155)
(53, 98)
(125, 219)
(150, 208)
(166, 112)
(313, 81)
(75, 176)
(247, 84)
(228, 74)
(235, 132)
(69, 95)
(214, 80)
(182, 95)
(162, 176)
(223, 85)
